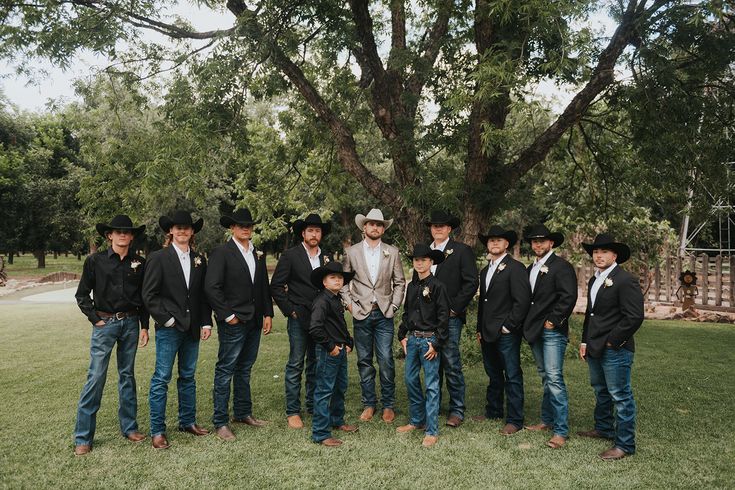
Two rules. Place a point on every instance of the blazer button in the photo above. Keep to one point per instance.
(187, 311)
(531, 302)
(592, 314)
(485, 300)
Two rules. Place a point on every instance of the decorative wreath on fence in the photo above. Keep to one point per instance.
(688, 278)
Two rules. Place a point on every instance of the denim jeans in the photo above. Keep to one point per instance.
(124, 333)
(548, 351)
(502, 362)
(171, 342)
(422, 410)
(329, 394)
(451, 368)
(610, 378)
(238, 349)
(300, 345)
(375, 333)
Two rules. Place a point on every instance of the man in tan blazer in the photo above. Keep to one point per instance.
(373, 297)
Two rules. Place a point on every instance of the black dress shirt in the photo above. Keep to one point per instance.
(426, 309)
(328, 326)
(117, 285)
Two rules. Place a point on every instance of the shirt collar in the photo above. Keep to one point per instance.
(496, 262)
(369, 248)
(318, 251)
(542, 260)
(111, 252)
(606, 272)
(441, 246)
(180, 252)
(242, 249)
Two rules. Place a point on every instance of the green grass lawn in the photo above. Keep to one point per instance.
(26, 265)
(684, 381)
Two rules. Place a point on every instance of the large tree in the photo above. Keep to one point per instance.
(435, 75)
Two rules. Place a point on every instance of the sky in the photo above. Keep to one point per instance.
(57, 86)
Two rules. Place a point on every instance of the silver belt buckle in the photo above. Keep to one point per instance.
(119, 315)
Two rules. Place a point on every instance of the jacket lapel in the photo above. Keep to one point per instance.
(362, 262)
(540, 276)
(175, 263)
(238, 256)
(602, 289)
(497, 271)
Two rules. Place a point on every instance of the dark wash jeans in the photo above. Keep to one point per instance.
(329, 394)
(610, 378)
(423, 410)
(548, 352)
(451, 369)
(375, 334)
(170, 344)
(238, 350)
(124, 333)
(502, 362)
(300, 345)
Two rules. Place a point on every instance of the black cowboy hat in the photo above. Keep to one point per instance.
(421, 250)
(496, 231)
(541, 231)
(119, 222)
(318, 274)
(180, 217)
(312, 220)
(240, 217)
(607, 242)
(442, 218)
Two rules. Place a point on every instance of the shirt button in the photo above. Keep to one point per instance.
(187, 311)
(531, 302)
(485, 300)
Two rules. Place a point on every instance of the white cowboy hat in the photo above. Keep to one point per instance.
(373, 215)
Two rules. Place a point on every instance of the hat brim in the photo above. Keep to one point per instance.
(300, 225)
(318, 275)
(103, 229)
(228, 221)
(510, 236)
(453, 222)
(437, 256)
(361, 219)
(167, 223)
(621, 250)
(557, 238)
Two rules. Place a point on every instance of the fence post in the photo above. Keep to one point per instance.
(705, 279)
(657, 282)
(732, 281)
(718, 280)
(667, 278)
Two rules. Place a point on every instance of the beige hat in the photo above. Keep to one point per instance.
(373, 215)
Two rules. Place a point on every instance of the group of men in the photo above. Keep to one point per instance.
(180, 290)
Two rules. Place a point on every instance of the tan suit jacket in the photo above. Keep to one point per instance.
(388, 289)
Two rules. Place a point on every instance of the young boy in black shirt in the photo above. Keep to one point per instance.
(423, 331)
(333, 341)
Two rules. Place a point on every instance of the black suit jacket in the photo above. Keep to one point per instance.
(230, 289)
(166, 295)
(505, 303)
(458, 273)
(552, 299)
(616, 316)
(291, 285)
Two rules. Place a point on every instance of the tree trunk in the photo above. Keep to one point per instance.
(92, 246)
(40, 258)
(56, 255)
(10, 257)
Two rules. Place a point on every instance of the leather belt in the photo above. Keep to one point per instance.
(118, 315)
(422, 334)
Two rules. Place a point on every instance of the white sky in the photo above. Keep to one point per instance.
(56, 87)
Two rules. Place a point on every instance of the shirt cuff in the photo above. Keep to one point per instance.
(230, 318)
(583, 344)
(504, 330)
(208, 327)
(170, 322)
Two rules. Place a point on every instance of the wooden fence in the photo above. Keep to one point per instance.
(715, 277)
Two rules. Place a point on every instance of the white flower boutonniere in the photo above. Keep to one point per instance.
(449, 252)
(608, 282)
(386, 253)
(197, 261)
(544, 269)
(134, 265)
(501, 267)
(259, 254)
(426, 292)
(326, 259)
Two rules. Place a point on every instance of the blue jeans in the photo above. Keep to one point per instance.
(610, 378)
(238, 349)
(502, 362)
(300, 345)
(451, 368)
(422, 410)
(169, 343)
(548, 352)
(329, 394)
(124, 333)
(375, 333)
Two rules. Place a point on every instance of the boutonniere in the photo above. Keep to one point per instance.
(326, 259)
(449, 252)
(608, 282)
(259, 254)
(426, 293)
(134, 265)
(544, 269)
(386, 253)
(501, 267)
(197, 261)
